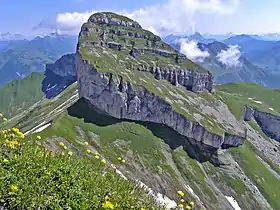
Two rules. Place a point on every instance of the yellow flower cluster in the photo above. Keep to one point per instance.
(120, 159)
(182, 202)
(107, 203)
(10, 138)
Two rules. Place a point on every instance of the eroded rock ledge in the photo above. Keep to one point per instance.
(269, 123)
(122, 100)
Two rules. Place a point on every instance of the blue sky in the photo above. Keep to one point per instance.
(161, 16)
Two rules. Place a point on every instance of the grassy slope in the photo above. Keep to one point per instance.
(45, 180)
(143, 151)
(258, 173)
(236, 95)
(18, 95)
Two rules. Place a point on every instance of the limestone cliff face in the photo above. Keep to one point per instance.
(270, 124)
(59, 75)
(123, 100)
(112, 64)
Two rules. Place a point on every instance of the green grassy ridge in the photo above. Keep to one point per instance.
(258, 173)
(113, 140)
(54, 181)
(231, 185)
(194, 177)
(18, 95)
(134, 142)
(237, 95)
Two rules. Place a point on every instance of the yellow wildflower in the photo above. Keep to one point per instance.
(20, 135)
(13, 144)
(180, 206)
(96, 157)
(5, 160)
(181, 193)
(108, 205)
(107, 198)
(112, 165)
(188, 207)
(1, 115)
(70, 153)
(86, 143)
(103, 161)
(96, 153)
(65, 147)
(15, 130)
(5, 119)
(142, 209)
(191, 203)
(13, 188)
(123, 160)
(88, 151)
(61, 144)
(62, 153)
(119, 159)
(182, 200)
(39, 137)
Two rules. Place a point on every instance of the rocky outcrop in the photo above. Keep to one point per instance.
(143, 49)
(269, 123)
(122, 100)
(59, 75)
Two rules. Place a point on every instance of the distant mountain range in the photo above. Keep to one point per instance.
(252, 61)
(9, 36)
(19, 58)
(259, 59)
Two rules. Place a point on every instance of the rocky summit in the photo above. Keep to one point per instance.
(130, 73)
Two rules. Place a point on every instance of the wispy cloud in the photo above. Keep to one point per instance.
(231, 56)
(191, 50)
(172, 16)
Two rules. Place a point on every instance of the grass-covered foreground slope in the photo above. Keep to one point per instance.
(33, 178)
(18, 95)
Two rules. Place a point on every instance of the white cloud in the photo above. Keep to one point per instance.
(190, 49)
(230, 57)
(172, 16)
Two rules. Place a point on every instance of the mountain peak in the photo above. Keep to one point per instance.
(196, 35)
(241, 38)
(113, 19)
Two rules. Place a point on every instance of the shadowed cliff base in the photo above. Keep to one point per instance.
(196, 150)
